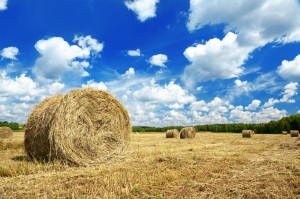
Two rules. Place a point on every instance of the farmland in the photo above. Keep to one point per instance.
(213, 165)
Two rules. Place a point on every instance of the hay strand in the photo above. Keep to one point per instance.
(6, 132)
(85, 126)
(247, 133)
(172, 133)
(294, 133)
(188, 132)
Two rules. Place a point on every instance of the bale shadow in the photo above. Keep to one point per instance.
(21, 158)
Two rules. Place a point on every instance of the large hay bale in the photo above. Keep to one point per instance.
(6, 132)
(172, 133)
(294, 133)
(284, 132)
(187, 132)
(85, 126)
(247, 133)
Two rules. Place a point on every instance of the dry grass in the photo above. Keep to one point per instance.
(209, 166)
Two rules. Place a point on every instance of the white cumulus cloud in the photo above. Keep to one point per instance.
(59, 57)
(144, 9)
(134, 53)
(10, 53)
(158, 60)
(254, 105)
(290, 70)
(216, 59)
(3, 4)
(290, 90)
(257, 22)
(129, 73)
(17, 86)
(169, 93)
(89, 44)
(95, 85)
(20, 93)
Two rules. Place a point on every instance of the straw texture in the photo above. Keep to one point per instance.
(85, 126)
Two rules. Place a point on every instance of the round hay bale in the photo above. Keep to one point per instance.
(173, 133)
(247, 133)
(294, 133)
(6, 132)
(284, 132)
(83, 127)
(188, 132)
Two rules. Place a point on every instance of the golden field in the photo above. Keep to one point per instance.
(213, 165)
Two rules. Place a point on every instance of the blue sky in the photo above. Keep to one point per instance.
(169, 62)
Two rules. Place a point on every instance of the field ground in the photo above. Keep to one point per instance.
(210, 166)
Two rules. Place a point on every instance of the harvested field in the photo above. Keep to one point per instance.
(213, 165)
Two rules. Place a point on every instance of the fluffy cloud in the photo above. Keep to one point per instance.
(176, 106)
(264, 115)
(59, 57)
(290, 70)
(254, 105)
(89, 44)
(3, 4)
(169, 93)
(214, 111)
(239, 115)
(95, 85)
(239, 83)
(264, 82)
(176, 118)
(290, 90)
(18, 86)
(216, 59)
(158, 60)
(10, 53)
(257, 22)
(24, 87)
(134, 53)
(19, 94)
(129, 73)
(144, 9)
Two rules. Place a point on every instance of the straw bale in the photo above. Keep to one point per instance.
(188, 132)
(6, 132)
(85, 126)
(172, 133)
(247, 133)
(294, 133)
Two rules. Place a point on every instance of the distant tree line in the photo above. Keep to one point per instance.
(12, 125)
(291, 122)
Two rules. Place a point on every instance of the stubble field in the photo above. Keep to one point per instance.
(213, 165)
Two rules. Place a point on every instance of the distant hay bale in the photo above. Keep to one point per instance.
(294, 133)
(83, 127)
(284, 132)
(6, 132)
(173, 133)
(247, 133)
(187, 132)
